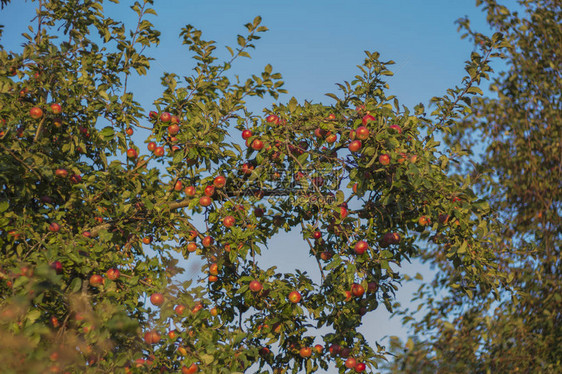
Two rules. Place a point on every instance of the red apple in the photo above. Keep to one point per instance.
(384, 159)
(132, 153)
(424, 221)
(57, 266)
(36, 112)
(326, 256)
(152, 115)
(362, 133)
(61, 173)
(129, 131)
(228, 221)
(207, 241)
(214, 269)
(179, 309)
(147, 239)
(257, 145)
(157, 299)
(209, 191)
(113, 274)
(331, 138)
(165, 117)
(360, 367)
(54, 227)
(355, 145)
(357, 290)
(360, 247)
(272, 118)
(190, 191)
(305, 352)
(294, 297)
(317, 235)
(96, 280)
(56, 108)
(151, 146)
(335, 349)
(255, 286)
(151, 337)
(367, 118)
(159, 151)
(350, 363)
(246, 134)
(205, 201)
(219, 182)
(190, 370)
(178, 186)
(318, 348)
(173, 129)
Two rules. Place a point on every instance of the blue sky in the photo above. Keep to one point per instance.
(314, 44)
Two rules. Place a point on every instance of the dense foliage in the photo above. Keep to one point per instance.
(514, 138)
(93, 225)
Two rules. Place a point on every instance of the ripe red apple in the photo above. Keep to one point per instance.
(317, 235)
(56, 108)
(367, 118)
(343, 212)
(326, 256)
(56, 266)
(360, 367)
(129, 131)
(305, 352)
(113, 274)
(132, 153)
(54, 227)
(152, 115)
(190, 191)
(157, 299)
(331, 138)
(214, 269)
(178, 186)
(357, 290)
(172, 334)
(255, 286)
(257, 145)
(207, 241)
(247, 168)
(165, 117)
(424, 221)
(246, 134)
(384, 159)
(348, 295)
(61, 173)
(173, 129)
(228, 221)
(209, 190)
(294, 297)
(205, 201)
(96, 280)
(350, 363)
(190, 370)
(219, 182)
(159, 151)
(362, 133)
(355, 145)
(36, 112)
(191, 247)
(318, 348)
(151, 147)
(179, 309)
(272, 118)
(360, 247)
(151, 337)
(147, 239)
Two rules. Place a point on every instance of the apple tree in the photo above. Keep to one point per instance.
(97, 227)
(513, 140)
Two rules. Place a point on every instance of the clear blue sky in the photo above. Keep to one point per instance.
(314, 44)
